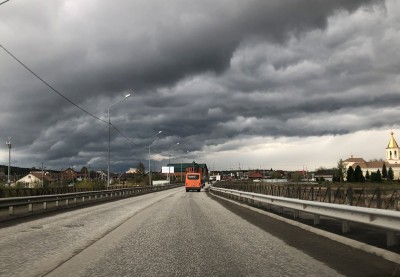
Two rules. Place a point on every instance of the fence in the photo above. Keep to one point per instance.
(26, 192)
(382, 219)
(360, 197)
(24, 206)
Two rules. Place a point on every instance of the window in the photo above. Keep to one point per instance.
(193, 177)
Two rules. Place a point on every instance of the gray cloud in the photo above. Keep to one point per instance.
(204, 73)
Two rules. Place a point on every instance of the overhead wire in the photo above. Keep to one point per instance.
(119, 132)
(50, 86)
(59, 93)
(4, 2)
(63, 96)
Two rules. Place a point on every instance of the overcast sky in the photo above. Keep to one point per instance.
(282, 84)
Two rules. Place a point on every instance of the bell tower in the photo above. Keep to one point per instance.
(392, 151)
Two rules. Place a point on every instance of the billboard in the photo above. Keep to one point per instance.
(167, 169)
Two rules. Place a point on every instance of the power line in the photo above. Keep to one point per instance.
(51, 87)
(119, 132)
(4, 2)
(60, 94)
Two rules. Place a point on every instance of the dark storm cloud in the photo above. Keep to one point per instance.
(203, 72)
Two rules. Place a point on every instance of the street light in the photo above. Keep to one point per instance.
(159, 132)
(42, 174)
(8, 142)
(109, 136)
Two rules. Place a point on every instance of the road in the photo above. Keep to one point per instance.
(174, 233)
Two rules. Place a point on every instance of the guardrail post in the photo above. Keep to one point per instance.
(378, 199)
(391, 239)
(57, 203)
(30, 207)
(329, 194)
(67, 202)
(11, 210)
(345, 227)
(296, 214)
(350, 196)
(44, 205)
(317, 219)
(312, 193)
(83, 198)
(75, 200)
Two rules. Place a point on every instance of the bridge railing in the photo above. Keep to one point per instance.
(383, 219)
(23, 206)
(370, 197)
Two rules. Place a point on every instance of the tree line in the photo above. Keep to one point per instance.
(356, 175)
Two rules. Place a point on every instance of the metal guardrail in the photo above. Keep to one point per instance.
(377, 197)
(383, 219)
(28, 205)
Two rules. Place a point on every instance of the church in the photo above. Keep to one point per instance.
(392, 160)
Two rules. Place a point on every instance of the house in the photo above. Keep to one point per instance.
(34, 179)
(69, 175)
(256, 175)
(324, 175)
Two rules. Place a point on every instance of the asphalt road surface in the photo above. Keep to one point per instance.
(174, 233)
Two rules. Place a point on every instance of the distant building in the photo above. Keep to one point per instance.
(180, 169)
(132, 170)
(392, 160)
(68, 175)
(392, 151)
(34, 179)
(324, 175)
(256, 175)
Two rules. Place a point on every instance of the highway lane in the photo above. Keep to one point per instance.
(171, 233)
(189, 234)
(37, 246)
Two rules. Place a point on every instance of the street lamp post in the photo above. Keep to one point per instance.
(159, 132)
(42, 175)
(109, 137)
(8, 142)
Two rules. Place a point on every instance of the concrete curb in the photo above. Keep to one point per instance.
(387, 255)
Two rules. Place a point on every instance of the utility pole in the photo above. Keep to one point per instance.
(8, 142)
(42, 174)
(149, 168)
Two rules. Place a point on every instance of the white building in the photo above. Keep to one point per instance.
(34, 179)
(392, 160)
(132, 170)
